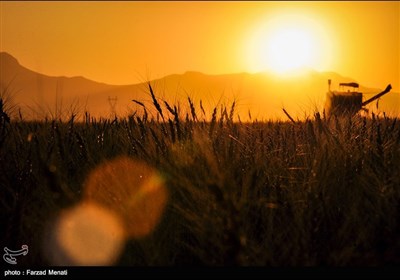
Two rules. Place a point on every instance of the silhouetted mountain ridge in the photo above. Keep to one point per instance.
(262, 93)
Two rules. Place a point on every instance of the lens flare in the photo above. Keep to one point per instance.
(85, 235)
(132, 189)
(122, 199)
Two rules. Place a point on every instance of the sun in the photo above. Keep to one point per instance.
(289, 49)
(287, 43)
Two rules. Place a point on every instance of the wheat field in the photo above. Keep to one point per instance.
(299, 193)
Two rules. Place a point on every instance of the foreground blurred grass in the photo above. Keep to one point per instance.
(318, 192)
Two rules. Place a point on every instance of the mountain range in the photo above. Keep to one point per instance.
(36, 96)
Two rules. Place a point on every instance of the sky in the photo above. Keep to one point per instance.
(130, 42)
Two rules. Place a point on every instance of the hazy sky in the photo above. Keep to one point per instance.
(128, 42)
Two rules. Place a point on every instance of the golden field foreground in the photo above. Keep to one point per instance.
(316, 192)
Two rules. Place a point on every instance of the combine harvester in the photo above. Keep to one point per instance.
(348, 102)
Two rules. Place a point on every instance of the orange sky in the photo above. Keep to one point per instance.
(129, 42)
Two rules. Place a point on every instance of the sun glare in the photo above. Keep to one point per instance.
(289, 49)
(287, 43)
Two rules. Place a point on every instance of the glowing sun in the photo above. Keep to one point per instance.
(289, 49)
(288, 43)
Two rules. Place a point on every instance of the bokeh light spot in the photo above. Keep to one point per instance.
(132, 189)
(87, 234)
